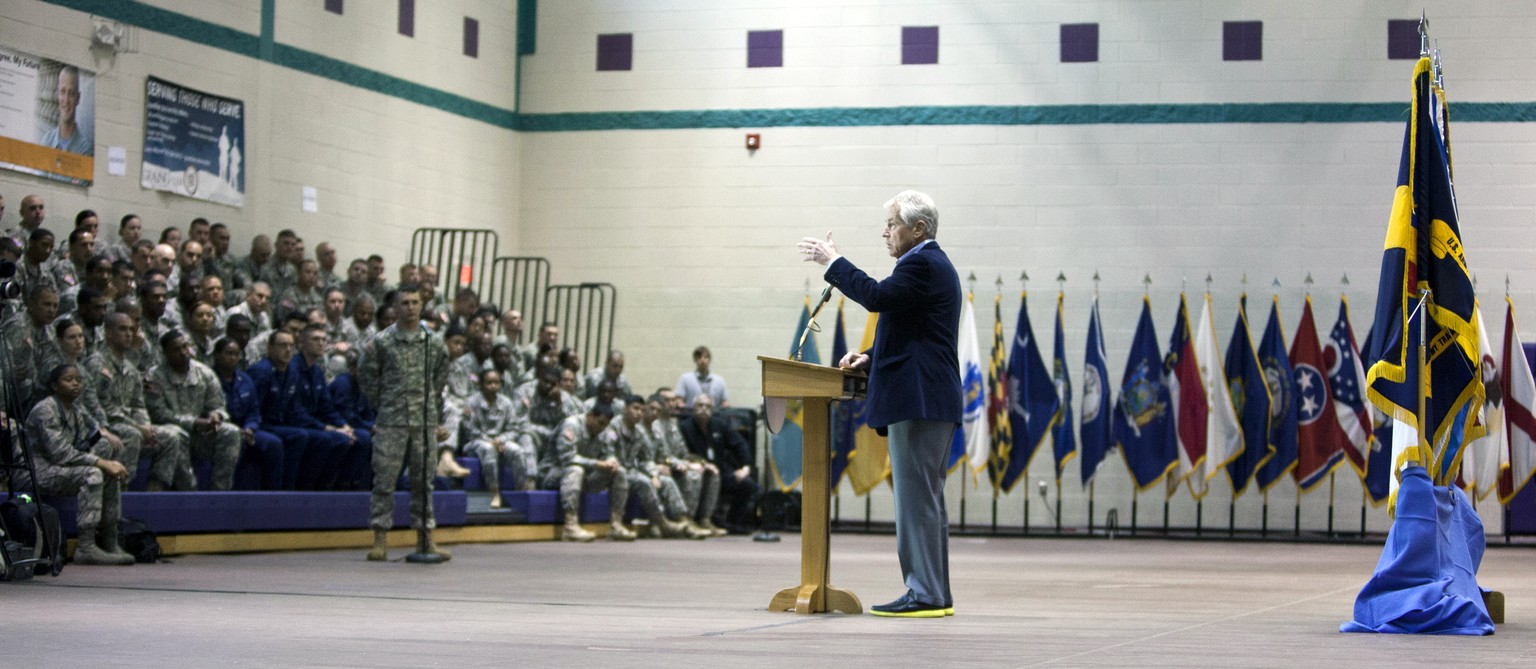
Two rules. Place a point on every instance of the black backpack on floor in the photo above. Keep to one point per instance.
(137, 539)
(33, 542)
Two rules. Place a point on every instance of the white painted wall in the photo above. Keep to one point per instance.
(700, 233)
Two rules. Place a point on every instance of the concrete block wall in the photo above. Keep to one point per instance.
(383, 166)
(699, 232)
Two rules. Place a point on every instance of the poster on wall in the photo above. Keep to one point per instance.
(194, 143)
(47, 118)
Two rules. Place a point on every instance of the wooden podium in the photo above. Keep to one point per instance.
(817, 386)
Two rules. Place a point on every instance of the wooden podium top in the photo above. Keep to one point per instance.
(792, 379)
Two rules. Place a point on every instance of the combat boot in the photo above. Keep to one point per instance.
(573, 531)
(432, 548)
(714, 530)
(617, 532)
(380, 550)
(677, 529)
(107, 539)
(87, 552)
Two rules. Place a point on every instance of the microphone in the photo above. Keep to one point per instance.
(810, 325)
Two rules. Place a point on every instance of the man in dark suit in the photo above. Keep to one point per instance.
(914, 387)
(709, 437)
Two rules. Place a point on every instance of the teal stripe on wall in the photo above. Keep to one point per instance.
(261, 47)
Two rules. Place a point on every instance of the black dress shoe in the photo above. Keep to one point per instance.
(907, 606)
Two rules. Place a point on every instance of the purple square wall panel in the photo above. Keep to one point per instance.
(919, 45)
(615, 52)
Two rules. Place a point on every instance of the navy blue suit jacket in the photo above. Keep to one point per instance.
(914, 365)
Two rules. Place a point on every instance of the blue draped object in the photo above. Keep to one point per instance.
(1426, 580)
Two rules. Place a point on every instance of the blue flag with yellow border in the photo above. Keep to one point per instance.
(1281, 381)
(1143, 423)
(1250, 399)
(1094, 437)
(1032, 401)
(1423, 251)
(1063, 441)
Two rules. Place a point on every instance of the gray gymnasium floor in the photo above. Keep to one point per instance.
(1077, 602)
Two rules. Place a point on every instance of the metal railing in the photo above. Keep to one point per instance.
(585, 314)
(460, 256)
(519, 283)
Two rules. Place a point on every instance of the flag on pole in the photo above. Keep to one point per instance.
(1186, 390)
(843, 424)
(997, 400)
(1032, 401)
(1282, 401)
(1519, 461)
(1480, 465)
(787, 461)
(1063, 441)
(1250, 399)
(1319, 440)
(1346, 379)
(1095, 435)
(1143, 425)
(1423, 250)
(870, 462)
(1378, 465)
(1223, 432)
(971, 441)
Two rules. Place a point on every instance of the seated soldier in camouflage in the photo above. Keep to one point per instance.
(28, 337)
(698, 480)
(607, 392)
(120, 389)
(186, 393)
(73, 455)
(657, 492)
(490, 434)
(583, 458)
(541, 406)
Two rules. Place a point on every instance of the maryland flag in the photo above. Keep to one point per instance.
(997, 399)
(1423, 251)
(869, 463)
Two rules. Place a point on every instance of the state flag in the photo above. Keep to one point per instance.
(1346, 381)
(870, 462)
(1250, 399)
(997, 398)
(972, 440)
(1223, 432)
(1063, 441)
(1094, 437)
(1032, 401)
(1480, 464)
(1282, 402)
(1519, 462)
(1143, 424)
(843, 425)
(1319, 440)
(1186, 391)
(786, 457)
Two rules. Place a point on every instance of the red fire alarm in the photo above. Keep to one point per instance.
(754, 141)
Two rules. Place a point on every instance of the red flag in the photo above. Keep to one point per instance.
(1518, 463)
(1319, 439)
(1187, 390)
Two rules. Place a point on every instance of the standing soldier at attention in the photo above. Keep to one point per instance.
(403, 371)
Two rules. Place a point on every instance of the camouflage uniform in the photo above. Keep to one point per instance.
(538, 417)
(487, 422)
(700, 489)
(281, 275)
(150, 355)
(120, 389)
(56, 436)
(463, 384)
(180, 399)
(658, 495)
(67, 277)
(399, 371)
(596, 378)
(569, 465)
(294, 298)
(227, 268)
(27, 343)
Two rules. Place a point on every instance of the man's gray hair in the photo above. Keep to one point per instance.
(912, 206)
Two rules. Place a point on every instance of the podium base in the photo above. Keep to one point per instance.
(811, 598)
